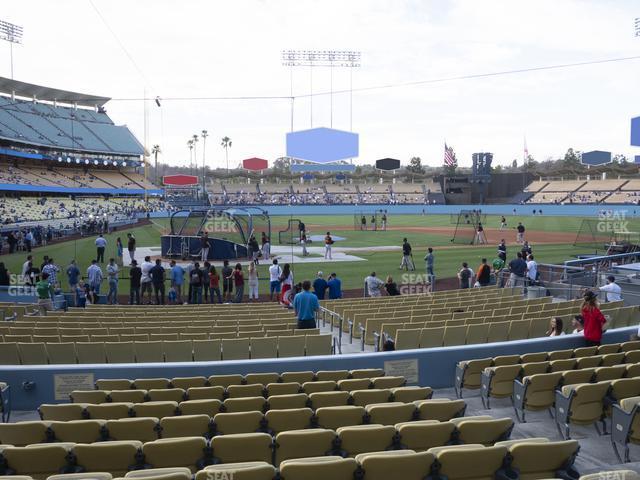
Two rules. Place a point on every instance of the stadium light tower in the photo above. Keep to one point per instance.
(204, 134)
(322, 58)
(10, 33)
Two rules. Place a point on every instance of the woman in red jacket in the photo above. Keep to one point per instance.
(593, 319)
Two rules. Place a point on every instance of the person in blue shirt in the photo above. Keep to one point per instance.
(73, 273)
(320, 286)
(177, 279)
(335, 287)
(306, 305)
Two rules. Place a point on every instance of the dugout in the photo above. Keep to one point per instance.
(229, 232)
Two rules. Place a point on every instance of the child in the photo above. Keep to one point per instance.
(172, 296)
(253, 282)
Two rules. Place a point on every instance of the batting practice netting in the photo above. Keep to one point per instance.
(594, 233)
(466, 226)
(290, 236)
(368, 221)
(482, 217)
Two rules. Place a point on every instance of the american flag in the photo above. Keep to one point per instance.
(449, 156)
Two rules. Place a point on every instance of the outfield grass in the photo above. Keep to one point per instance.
(447, 263)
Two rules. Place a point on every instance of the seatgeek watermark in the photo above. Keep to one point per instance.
(415, 283)
(217, 475)
(612, 221)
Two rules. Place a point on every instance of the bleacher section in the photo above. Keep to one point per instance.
(29, 209)
(64, 128)
(585, 191)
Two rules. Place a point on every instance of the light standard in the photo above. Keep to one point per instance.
(12, 34)
(190, 145)
(204, 134)
(155, 150)
(194, 139)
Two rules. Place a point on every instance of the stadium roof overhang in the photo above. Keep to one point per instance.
(30, 90)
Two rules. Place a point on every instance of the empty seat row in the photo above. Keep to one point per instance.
(499, 382)
(468, 372)
(383, 385)
(161, 409)
(413, 432)
(239, 379)
(161, 351)
(351, 452)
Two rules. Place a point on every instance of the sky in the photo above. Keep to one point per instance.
(129, 50)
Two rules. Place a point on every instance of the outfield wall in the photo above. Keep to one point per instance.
(435, 367)
(578, 210)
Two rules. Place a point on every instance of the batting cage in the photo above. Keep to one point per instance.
(482, 217)
(369, 221)
(596, 234)
(466, 226)
(228, 230)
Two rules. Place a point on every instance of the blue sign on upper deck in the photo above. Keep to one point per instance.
(322, 145)
(597, 157)
(635, 131)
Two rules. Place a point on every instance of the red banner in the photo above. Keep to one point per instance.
(255, 164)
(180, 180)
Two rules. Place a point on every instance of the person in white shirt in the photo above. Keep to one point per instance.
(374, 285)
(274, 280)
(612, 290)
(145, 280)
(577, 323)
(25, 268)
(532, 270)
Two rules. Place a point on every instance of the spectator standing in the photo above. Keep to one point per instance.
(520, 233)
(94, 275)
(131, 247)
(306, 304)
(204, 244)
(196, 278)
(157, 278)
(214, 285)
(25, 268)
(205, 284)
(238, 279)
(227, 282)
(253, 282)
(44, 289)
(286, 280)
(274, 280)
(80, 295)
(266, 246)
(483, 274)
(5, 275)
(518, 269)
(146, 284)
(328, 242)
(320, 286)
(101, 244)
(613, 292)
(465, 275)
(28, 240)
(594, 320)
(119, 252)
(135, 275)
(112, 277)
(532, 270)
(12, 241)
(335, 287)
(51, 269)
(374, 285)
(73, 273)
(177, 280)
(391, 287)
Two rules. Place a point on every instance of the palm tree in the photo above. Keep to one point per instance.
(190, 145)
(226, 144)
(156, 150)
